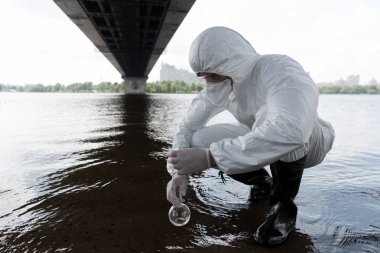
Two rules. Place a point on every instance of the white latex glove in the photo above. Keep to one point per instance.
(170, 168)
(189, 160)
(177, 184)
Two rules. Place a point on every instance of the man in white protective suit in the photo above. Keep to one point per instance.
(275, 101)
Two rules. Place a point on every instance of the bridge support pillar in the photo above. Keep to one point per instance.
(135, 85)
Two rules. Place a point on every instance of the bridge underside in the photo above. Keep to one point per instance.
(132, 34)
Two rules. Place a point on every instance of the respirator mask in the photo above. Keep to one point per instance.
(219, 92)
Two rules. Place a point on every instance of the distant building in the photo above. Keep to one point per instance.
(171, 73)
(353, 80)
(373, 82)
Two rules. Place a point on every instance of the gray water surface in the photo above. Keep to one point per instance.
(86, 173)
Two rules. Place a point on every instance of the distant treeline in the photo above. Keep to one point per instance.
(166, 87)
(350, 89)
(173, 87)
(106, 87)
(75, 87)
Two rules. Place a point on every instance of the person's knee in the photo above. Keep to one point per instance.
(198, 140)
(205, 136)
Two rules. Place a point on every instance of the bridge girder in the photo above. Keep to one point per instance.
(132, 34)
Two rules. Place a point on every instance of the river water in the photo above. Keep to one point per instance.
(86, 173)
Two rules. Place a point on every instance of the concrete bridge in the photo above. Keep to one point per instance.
(132, 34)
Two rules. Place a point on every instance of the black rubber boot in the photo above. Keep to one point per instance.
(260, 182)
(282, 216)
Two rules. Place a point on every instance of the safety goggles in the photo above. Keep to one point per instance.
(211, 77)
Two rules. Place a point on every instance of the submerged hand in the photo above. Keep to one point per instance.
(177, 184)
(190, 160)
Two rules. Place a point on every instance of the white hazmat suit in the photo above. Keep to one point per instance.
(272, 97)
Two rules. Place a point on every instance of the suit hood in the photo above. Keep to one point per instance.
(222, 51)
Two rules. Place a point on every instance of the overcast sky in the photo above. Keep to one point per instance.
(330, 38)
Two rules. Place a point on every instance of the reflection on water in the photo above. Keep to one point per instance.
(86, 172)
